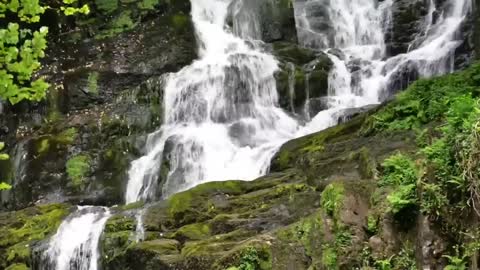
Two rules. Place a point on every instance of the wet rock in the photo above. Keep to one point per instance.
(267, 20)
(407, 22)
(303, 75)
(23, 230)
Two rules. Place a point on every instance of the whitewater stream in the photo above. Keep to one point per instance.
(222, 118)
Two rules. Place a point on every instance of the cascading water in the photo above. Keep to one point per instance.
(357, 29)
(222, 120)
(75, 245)
(221, 115)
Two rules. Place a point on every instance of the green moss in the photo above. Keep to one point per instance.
(218, 244)
(132, 206)
(19, 252)
(309, 232)
(77, 169)
(22, 228)
(67, 136)
(147, 4)
(193, 205)
(92, 83)
(118, 223)
(44, 220)
(18, 266)
(366, 163)
(43, 146)
(121, 23)
(197, 231)
(161, 246)
(114, 244)
(180, 21)
(106, 6)
(312, 144)
(293, 53)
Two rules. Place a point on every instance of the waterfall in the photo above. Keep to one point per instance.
(222, 119)
(75, 245)
(357, 29)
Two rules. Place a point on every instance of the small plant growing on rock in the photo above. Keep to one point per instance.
(250, 260)
(332, 198)
(77, 168)
(3, 156)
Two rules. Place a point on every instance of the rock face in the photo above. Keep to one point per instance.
(283, 219)
(303, 76)
(312, 210)
(268, 20)
(408, 19)
(106, 95)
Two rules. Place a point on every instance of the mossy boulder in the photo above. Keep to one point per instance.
(21, 230)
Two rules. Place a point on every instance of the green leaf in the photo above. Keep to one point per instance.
(2, 145)
(4, 156)
(4, 186)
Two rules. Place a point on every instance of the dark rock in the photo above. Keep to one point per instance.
(303, 74)
(268, 20)
(407, 23)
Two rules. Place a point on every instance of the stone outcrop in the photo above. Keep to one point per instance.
(106, 94)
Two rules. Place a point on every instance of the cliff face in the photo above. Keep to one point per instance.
(322, 206)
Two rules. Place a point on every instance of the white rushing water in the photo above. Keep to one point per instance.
(75, 245)
(222, 119)
(221, 115)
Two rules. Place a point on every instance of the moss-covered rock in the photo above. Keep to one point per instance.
(22, 229)
(303, 75)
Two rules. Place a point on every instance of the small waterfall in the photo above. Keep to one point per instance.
(75, 245)
(358, 28)
(221, 113)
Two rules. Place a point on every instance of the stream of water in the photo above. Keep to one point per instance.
(222, 119)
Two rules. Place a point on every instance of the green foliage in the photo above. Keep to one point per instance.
(385, 264)
(405, 259)
(400, 173)
(93, 83)
(107, 6)
(372, 224)
(21, 48)
(456, 262)
(399, 169)
(249, 260)
(77, 169)
(403, 197)
(332, 198)
(329, 257)
(148, 4)
(3, 156)
(433, 198)
(424, 101)
(121, 23)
